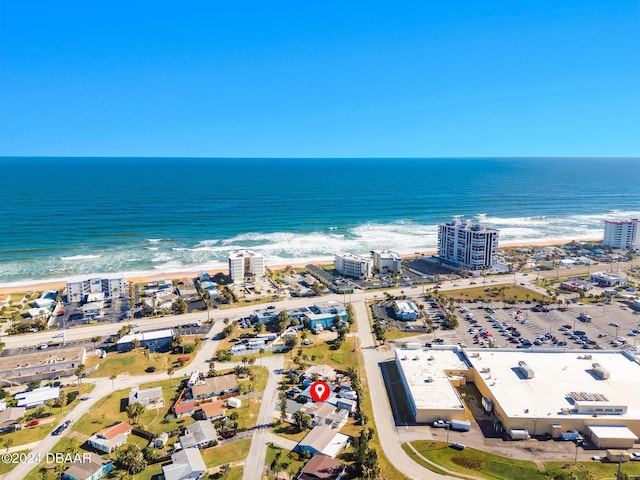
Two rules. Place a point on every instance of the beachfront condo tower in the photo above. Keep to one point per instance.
(245, 264)
(386, 261)
(353, 266)
(621, 234)
(470, 246)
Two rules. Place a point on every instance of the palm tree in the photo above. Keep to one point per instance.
(170, 372)
(79, 372)
(113, 377)
(134, 410)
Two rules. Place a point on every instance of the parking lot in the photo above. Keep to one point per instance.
(115, 310)
(519, 326)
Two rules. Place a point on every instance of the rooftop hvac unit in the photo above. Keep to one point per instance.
(525, 369)
(485, 370)
(600, 372)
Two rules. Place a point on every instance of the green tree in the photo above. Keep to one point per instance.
(291, 342)
(283, 321)
(258, 327)
(134, 410)
(80, 371)
(282, 401)
(179, 305)
(130, 457)
(176, 341)
(302, 420)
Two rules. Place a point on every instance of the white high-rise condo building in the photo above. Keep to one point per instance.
(245, 263)
(79, 290)
(354, 266)
(622, 234)
(386, 261)
(471, 246)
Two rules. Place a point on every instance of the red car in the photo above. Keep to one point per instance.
(183, 359)
(33, 423)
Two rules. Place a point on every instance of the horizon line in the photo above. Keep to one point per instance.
(451, 157)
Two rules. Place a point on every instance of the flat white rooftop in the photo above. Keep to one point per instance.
(559, 378)
(612, 431)
(424, 371)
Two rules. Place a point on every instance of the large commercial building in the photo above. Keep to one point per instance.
(386, 261)
(622, 234)
(605, 279)
(468, 245)
(81, 290)
(245, 264)
(548, 391)
(353, 266)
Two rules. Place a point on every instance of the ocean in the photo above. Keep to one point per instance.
(71, 217)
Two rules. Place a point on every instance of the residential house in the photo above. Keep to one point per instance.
(185, 464)
(9, 418)
(150, 398)
(211, 410)
(38, 396)
(323, 440)
(198, 434)
(322, 467)
(324, 372)
(186, 289)
(325, 414)
(93, 469)
(215, 387)
(110, 438)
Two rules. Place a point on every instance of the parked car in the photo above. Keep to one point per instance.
(457, 446)
(440, 424)
(32, 423)
(150, 369)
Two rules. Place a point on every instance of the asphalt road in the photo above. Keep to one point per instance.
(383, 415)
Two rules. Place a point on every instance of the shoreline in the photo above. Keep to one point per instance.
(37, 285)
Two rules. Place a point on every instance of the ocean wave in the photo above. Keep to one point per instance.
(157, 240)
(404, 236)
(79, 257)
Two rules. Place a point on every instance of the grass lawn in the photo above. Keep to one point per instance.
(287, 430)
(322, 353)
(150, 472)
(510, 291)
(65, 445)
(135, 362)
(32, 434)
(292, 461)
(231, 452)
(234, 474)
(8, 466)
(111, 409)
(600, 469)
(487, 465)
(395, 334)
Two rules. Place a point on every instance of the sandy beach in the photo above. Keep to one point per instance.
(59, 285)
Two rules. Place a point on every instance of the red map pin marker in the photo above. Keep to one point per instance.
(320, 391)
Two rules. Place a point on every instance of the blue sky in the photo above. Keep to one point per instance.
(313, 79)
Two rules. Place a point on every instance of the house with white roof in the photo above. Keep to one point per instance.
(185, 464)
(323, 440)
(38, 396)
